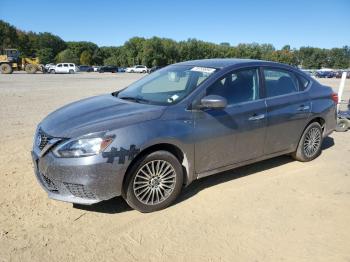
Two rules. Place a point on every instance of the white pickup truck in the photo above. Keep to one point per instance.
(63, 68)
(137, 69)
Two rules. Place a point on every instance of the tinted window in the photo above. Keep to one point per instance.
(65, 65)
(303, 83)
(71, 65)
(60, 65)
(279, 82)
(237, 87)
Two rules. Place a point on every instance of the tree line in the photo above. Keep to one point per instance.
(158, 51)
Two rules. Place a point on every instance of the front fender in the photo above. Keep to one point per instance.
(131, 141)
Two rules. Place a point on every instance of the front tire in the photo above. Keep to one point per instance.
(310, 143)
(6, 69)
(30, 68)
(154, 182)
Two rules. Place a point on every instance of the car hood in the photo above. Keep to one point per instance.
(95, 114)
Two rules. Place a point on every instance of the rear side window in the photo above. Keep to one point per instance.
(303, 83)
(279, 82)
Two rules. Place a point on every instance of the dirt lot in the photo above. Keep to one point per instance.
(276, 210)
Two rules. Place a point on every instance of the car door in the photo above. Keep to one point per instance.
(235, 133)
(65, 68)
(288, 109)
(59, 68)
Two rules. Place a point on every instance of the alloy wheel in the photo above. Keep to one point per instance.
(312, 142)
(154, 182)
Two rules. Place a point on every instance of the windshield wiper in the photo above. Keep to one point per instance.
(135, 99)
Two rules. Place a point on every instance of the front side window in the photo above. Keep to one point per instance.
(60, 65)
(279, 82)
(168, 85)
(237, 87)
(71, 65)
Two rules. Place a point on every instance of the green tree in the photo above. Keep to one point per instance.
(67, 56)
(77, 48)
(8, 35)
(134, 49)
(85, 58)
(46, 55)
(162, 51)
(97, 57)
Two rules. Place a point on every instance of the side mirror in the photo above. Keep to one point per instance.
(213, 101)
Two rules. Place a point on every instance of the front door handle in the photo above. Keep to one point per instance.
(303, 108)
(256, 117)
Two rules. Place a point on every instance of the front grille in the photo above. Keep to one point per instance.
(79, 191)
(50, 185)
(44, 139)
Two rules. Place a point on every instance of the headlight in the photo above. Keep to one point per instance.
(82, 147)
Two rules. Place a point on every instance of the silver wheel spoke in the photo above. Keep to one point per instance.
(154, 182)
(312, 142)
(145, 173)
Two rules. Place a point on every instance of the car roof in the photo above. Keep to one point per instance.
(226, 62)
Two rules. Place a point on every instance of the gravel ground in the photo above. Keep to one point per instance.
(274, 210)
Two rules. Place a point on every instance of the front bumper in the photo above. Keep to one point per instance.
(85, 180)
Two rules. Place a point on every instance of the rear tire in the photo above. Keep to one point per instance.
(71, 71)
(342, 125)
(6, 69)
(310, 143)
(153, 182)
(30, 68)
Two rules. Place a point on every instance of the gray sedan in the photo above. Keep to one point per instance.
(181, 123)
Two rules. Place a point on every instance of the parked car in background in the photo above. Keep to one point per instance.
(110, 69)
(338, 74)
(85, 68)
(96, 68)
(121, 69)
(153, 69)
(181, 123)
(47, 66)
(137, 69)
(63, 68)
(325, 74)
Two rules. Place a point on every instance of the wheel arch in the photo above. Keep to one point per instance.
(319, 120)
(171, 148)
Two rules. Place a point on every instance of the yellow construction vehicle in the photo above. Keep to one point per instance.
(10, 61)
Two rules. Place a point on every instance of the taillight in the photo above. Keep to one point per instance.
(335, 98)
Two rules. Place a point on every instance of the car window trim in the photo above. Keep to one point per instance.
(262, 68)
(237, 70)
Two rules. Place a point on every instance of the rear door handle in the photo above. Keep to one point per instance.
(256, 117)
(303, 108)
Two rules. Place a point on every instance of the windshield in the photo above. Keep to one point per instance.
(166, 86)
